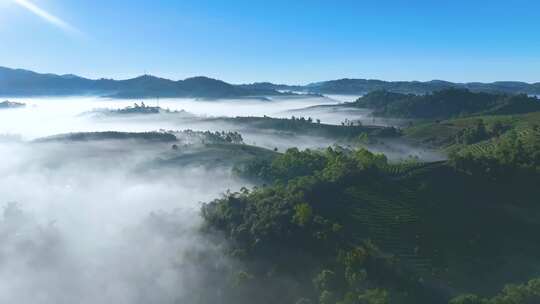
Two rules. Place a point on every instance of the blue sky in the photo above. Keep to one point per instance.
(280, 41)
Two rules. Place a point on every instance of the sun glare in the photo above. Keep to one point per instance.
(48, 17)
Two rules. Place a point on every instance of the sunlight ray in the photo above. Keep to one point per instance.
(36, 10)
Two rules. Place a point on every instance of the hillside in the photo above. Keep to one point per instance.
(308, 126)
(444, 104)
(347, 227)
(363, 86)
(348, 86)
(108, 135)
(272, 86)
(450, 133)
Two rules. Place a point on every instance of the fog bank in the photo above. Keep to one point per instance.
(90, 226)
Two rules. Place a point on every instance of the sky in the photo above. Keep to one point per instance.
(294, 42)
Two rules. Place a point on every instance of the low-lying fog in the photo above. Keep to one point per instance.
(83, 231)
(97, 222)
(46, 116)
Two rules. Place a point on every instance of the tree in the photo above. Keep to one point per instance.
(497, 129)
(302, 214)
(467, 299)
(527, 293)
(374, 296)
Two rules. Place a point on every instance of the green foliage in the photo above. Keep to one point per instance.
(348, 131)
(294, 163)
(467, 299)
(137, 109)
(446, 103)
(303, 214)
(374, 296)
(111, 135)
(351, 228)
(241, 278)
(304, 301)
(368, 160)
(325, 280)
(223, 137)
(513, 153)
(379, 99)
(364, 139)
(333, 163)
(528, 293)
(498, 128)
(354, 263)
(473, 134)
(350, 284)
(446, 133)
(479, 132)
(327, 297)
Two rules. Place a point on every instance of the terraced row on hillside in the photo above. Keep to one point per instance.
(527, 136)
(405, 169)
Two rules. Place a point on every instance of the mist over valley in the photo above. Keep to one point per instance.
(251, 152)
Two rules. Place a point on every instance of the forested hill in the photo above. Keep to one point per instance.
(445, 104)
(348, 227)
(27, 83)
(363, 86)
(345, 226)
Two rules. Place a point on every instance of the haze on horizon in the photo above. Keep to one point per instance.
(282, 42)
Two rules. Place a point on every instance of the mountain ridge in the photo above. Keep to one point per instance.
(21, 82)
(358, 86)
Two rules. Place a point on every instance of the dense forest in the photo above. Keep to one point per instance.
(348, 226)
(445, 104)
(364, 86)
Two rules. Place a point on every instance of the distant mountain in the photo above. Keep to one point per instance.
(17, 82)
(363, 86)
(272, 86)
